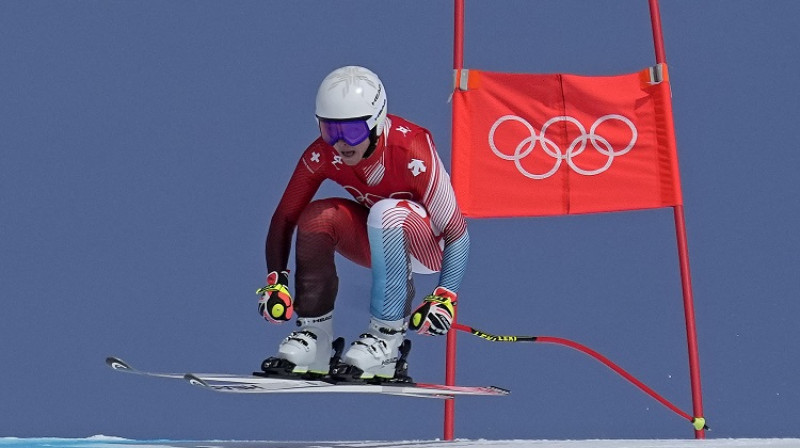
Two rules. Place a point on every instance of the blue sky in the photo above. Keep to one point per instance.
(144, 147)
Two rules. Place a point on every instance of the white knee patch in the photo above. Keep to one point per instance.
(391, 212)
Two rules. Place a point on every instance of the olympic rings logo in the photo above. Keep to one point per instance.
(575, 149)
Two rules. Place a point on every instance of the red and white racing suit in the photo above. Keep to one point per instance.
(404, 219)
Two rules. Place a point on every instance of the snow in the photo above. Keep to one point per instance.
(101, 441)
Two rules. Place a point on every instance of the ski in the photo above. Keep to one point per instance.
(252, 384)
(257, 385)
(121, 366)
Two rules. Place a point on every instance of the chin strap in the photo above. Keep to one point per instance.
(373, 143)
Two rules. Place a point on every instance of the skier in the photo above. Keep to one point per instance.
(404, 219)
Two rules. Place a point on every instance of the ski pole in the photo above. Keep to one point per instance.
(699, 423)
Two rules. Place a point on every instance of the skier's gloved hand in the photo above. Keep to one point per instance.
(435, 315)
(275, 302)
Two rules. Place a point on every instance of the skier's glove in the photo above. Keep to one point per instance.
(435, 315)
(275, 302)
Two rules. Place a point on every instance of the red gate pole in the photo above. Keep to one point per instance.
(683, 252)
(450, 356)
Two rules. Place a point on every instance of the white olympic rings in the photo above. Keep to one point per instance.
(527, 145)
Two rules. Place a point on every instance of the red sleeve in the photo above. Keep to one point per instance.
(302, 186)
(434, 187)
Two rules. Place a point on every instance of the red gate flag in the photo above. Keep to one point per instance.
(557, 144)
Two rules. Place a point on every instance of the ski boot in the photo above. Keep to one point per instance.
(305, 353)
(378, 356)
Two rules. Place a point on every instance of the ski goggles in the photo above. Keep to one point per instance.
(352, 132)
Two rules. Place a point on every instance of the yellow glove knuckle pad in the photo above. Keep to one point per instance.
(416, 320)
(443, 302)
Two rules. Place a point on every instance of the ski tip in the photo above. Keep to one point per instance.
(195, 381)
(118, 364)
(500, 390)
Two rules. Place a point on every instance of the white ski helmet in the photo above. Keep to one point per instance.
(353, 92)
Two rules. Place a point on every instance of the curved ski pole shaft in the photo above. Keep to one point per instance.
(597, 356)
